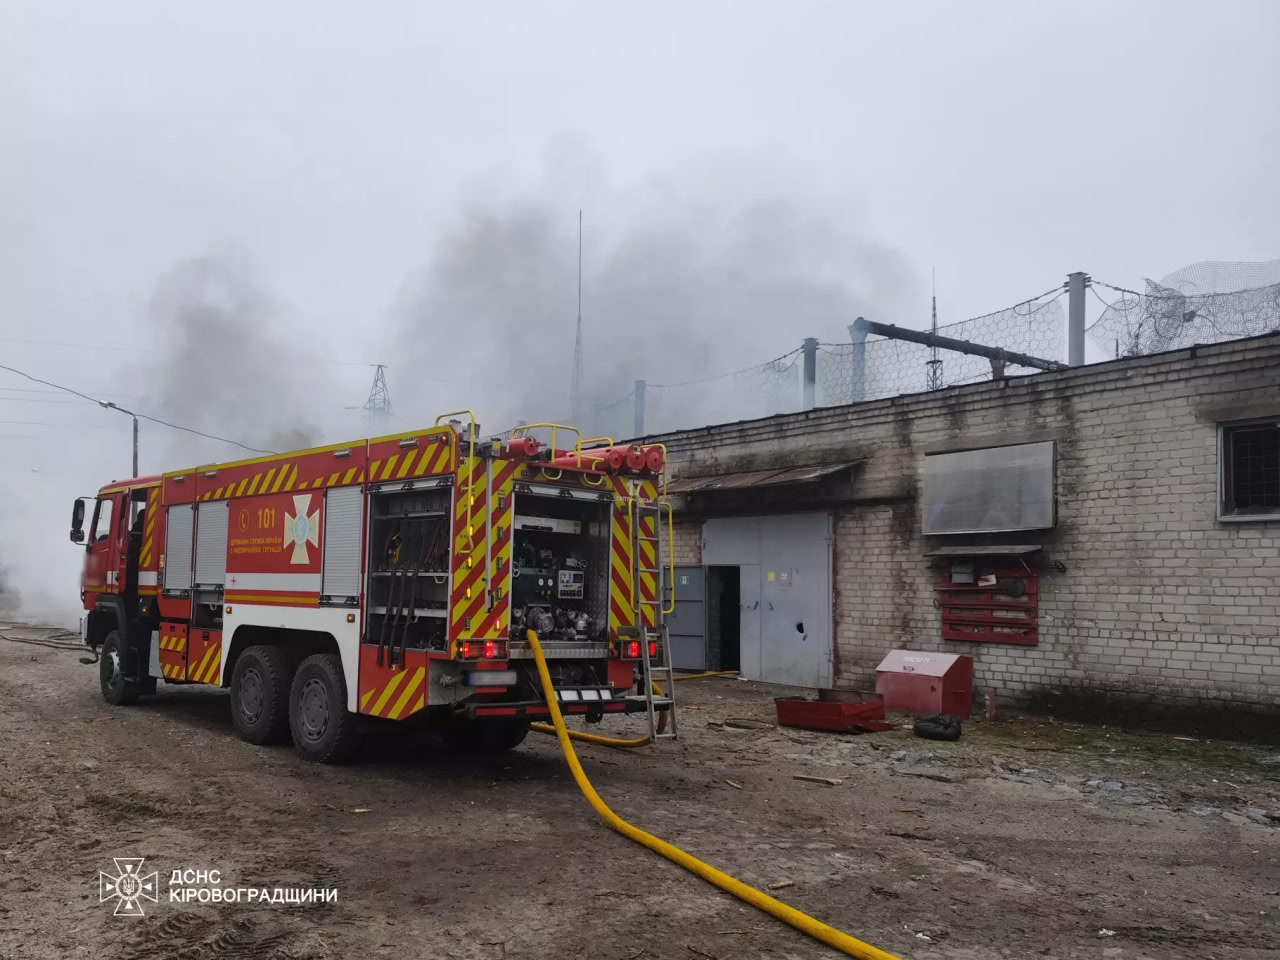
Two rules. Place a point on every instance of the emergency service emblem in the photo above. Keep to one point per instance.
(128, 886)
(301, 528)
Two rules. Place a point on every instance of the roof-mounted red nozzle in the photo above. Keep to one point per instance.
(521, 448)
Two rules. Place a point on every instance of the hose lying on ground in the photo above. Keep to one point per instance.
(630, 743)
(712, 673)
(607, 741)
(803, 922)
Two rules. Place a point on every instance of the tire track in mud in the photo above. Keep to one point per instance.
(192, 936)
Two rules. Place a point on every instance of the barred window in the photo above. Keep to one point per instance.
(1249, 459)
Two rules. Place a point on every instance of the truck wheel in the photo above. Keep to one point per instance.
(117, 690)
(485, 736)
(260, 694)
(323, 731)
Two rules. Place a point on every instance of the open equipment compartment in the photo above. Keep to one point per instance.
(408, 567)
(560, 570)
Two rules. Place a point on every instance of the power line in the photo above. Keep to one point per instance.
(64, 403)
(39, 423)
(107, 405)
(118, 396)
(723, 376)
(76, 346)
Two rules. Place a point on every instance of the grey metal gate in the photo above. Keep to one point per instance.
(786, 612)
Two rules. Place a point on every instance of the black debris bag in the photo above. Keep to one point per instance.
(938, 726)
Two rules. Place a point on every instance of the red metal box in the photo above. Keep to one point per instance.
(919, 681)
(825, 715)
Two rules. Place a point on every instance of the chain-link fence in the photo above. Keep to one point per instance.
(1204, 303)
(759, 391)
(848, 372)
(844, 373)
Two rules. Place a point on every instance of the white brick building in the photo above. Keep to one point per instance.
(1152, 593)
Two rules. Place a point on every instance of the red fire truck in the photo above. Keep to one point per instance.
(338, 589)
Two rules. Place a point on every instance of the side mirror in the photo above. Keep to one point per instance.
(77, 521)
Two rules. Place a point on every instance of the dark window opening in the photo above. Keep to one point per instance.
(1251, 470)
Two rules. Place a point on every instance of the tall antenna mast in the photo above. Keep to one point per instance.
(575, 384)
(934, 365)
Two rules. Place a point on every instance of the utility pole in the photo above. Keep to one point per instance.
(638, 394)
(810, 351)
(1077, 283)
(108, 405)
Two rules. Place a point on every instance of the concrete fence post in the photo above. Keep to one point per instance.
(810, 393)
(638, 395)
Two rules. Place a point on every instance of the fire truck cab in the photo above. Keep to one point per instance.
(341, 589)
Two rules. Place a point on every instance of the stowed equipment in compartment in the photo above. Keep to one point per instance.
(560, 568)
(408, 590)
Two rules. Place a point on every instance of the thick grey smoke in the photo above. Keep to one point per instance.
(684, 288)
(217, 353)
(227, 364)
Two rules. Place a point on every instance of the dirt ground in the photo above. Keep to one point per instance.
(1027, 838)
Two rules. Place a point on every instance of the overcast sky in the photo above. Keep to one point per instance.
(393, 177)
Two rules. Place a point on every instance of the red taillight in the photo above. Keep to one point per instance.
(487, 649)
(633, 648)
(653, 648)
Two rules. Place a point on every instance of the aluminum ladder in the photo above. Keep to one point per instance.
(657, 669)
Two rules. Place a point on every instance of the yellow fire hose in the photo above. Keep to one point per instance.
(627, 744)
(606, 741)
(814, 928)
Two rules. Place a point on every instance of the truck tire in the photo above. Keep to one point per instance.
(323, 731)
(117, 690)
(485, 736)
(260, 694)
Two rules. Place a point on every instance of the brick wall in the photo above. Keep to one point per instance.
(1158, 602)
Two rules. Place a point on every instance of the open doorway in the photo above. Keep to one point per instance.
(724, 622)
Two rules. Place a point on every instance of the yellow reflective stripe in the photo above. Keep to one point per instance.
(350, 475)
(293, 476)
(408, 462)
(195, 674)
(387, 692)
(364, 698)
(284, 472)
(254, 485)
(408, 692)
(391, 465)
